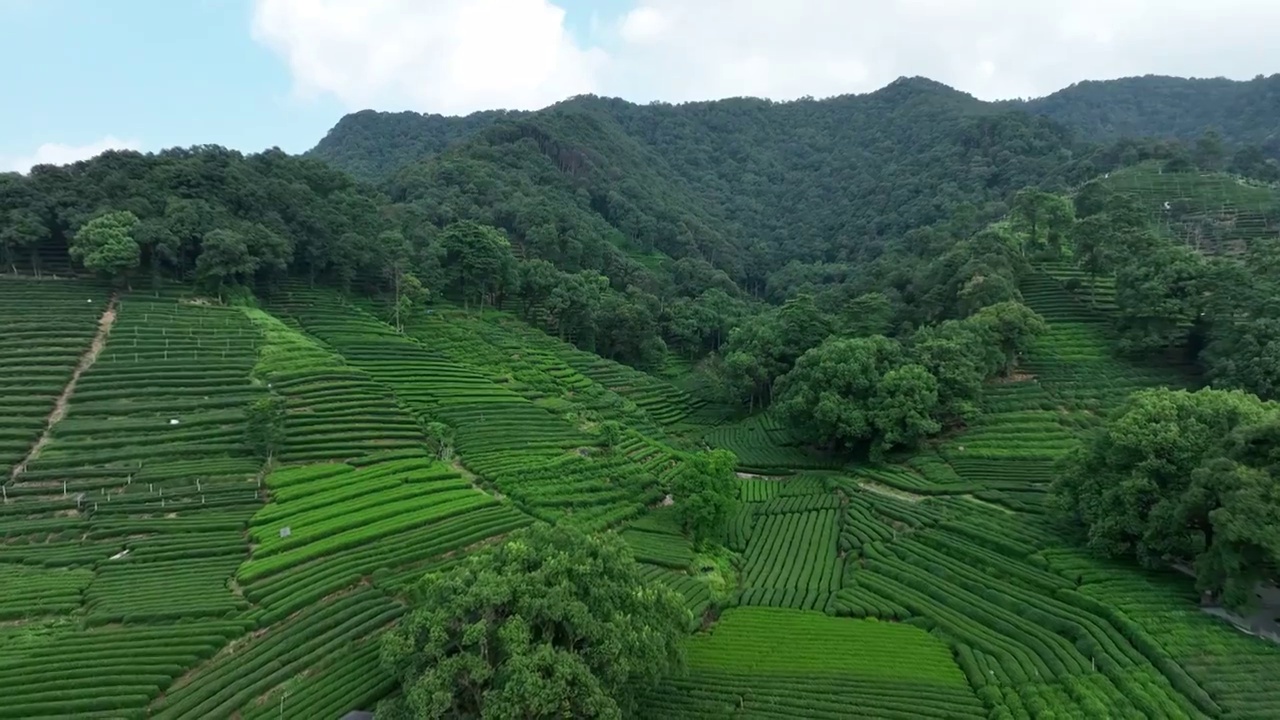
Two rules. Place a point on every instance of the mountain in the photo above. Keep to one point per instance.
(745, 184)
(372, 145)
(1243, 112)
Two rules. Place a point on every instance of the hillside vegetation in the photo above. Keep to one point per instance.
(884, 406)
(1244, 112)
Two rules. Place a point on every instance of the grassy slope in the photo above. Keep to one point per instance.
(1018, 623)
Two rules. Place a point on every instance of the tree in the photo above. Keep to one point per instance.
(1043, 219)
(1094, 244)
(1158, 293)
(1209, 152)
(106, 244)
(705, 494)
(478, 261)
(865, 315)
(903, 407)
(551, 623)
(1175, 475)
(264, 425)
(611, 434)
(1011, 328)
(224, 258)
(538, 280)
(23, 230)
(955, 353)
(985, 288)
(440, 439)
(828, 396)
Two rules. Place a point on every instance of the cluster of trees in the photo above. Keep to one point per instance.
(880, 355)
(1182, 476)
(228, 222)
(204, 214)
(1220, 309)
(551, 623)
(877, 393)
(745, 185)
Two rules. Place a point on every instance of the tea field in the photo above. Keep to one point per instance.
(153, 565)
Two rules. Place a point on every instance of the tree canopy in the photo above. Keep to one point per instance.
(706, 494)
(1183, 476)
(550, 623)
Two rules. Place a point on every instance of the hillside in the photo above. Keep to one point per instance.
(903, 405)
(1211, 212)
(1243, 112)
(711, 179)
(147, 523)
(372, 146)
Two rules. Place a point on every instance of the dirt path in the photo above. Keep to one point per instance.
(60, 406)
(887, 491)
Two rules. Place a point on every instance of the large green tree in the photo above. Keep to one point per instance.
(705, 494)
(837, 395)
(479, 265)
(106, 244)
(1011, 329)
(1178, 475)
(551, 623)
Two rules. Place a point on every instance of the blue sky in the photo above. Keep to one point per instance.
(159, 73)
(249, 74)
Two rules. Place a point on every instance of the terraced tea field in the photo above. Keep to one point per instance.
(1214, 213)
(154, 566)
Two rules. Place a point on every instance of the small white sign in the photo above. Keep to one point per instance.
(285, 532)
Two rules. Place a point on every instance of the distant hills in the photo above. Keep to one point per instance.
(372, 145)
(1243, 112)
(745, 184)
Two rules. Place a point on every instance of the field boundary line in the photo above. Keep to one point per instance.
(60, 406)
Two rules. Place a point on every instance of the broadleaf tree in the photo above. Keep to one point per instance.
(550, 623)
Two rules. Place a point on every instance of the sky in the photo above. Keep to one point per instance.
(88, 75)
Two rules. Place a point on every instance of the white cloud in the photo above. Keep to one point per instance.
(991, 48)
(455, 56)
(62, 154)
(447, 56)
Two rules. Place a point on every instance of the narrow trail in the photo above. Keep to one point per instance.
(59, 411)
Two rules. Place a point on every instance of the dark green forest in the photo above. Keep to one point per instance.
(1246, 113)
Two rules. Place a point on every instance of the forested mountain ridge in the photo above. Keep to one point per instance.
(1243, 112)
(372, 145)
(744, 184)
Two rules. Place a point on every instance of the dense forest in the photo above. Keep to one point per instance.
(1169, 107)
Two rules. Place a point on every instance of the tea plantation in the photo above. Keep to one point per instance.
(153, 566)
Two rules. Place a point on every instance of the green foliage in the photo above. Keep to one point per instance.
(264, 425)
(705, 494)
(1162, 106)
(1010, 329)
(106, 245)
(955, 352)
(611, 434)
(1044, 220)
(478, 261)
(441, 439)
(837, 395)
(551, 622)
(1182, 475)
